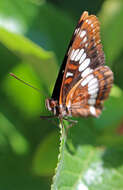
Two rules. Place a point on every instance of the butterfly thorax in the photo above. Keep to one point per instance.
(58, 110)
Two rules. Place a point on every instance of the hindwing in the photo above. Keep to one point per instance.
(88, 95)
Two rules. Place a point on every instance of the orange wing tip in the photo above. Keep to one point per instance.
(84, 16)
(92, 25)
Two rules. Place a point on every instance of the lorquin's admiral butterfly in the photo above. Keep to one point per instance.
(83, 82)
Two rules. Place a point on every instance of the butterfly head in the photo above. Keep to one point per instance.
(52, 105)
(58, 110)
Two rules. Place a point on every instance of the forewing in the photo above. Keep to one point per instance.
(84, 54)
(57, 87)
(87, 96)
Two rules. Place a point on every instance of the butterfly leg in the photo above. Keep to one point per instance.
(71, 125)
(48, 116)
(71, 121)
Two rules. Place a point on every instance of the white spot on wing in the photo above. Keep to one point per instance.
(77, 58)
(87, 79)
(92, 87)
(94, 91)
(86, 21)
(74, 54)
(91, 101)
(85, 64)
(86, 72)
(93, 96)
(92, 82)
(82, 33)
(84, 40)
(69, 74)
(76, 31)
(82, 58)
(92, 110)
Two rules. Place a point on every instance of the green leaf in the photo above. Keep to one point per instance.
(91, 153)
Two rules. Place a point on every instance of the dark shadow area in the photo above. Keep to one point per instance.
(113, 157)
(85, 134)
(75, 8)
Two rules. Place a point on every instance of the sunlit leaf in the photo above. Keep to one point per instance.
(90, 151)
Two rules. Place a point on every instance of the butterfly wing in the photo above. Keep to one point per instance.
(87, 96)
(57, 87)
(84, 54)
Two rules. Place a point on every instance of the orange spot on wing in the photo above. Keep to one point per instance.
(67, 81)
(72, 67)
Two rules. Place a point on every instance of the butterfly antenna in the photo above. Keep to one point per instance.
(13, 75)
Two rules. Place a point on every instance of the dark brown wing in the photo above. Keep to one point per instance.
(87, 96)
(84, 55)
(57, 87)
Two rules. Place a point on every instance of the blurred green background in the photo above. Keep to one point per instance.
(34, 35)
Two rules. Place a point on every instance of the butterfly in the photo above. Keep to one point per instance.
(83, 82)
